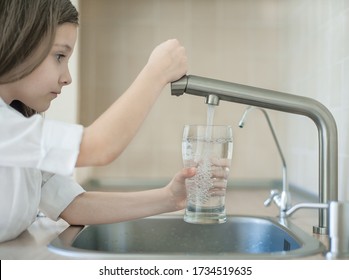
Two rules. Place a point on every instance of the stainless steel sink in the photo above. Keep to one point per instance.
(169, 237)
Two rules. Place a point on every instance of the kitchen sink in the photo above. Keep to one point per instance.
(169, 237)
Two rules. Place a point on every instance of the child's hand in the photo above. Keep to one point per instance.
(176, 188)
(169, 61)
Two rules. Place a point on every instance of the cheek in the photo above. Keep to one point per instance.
(43, 72)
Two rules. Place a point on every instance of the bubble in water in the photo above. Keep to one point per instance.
(203, 182)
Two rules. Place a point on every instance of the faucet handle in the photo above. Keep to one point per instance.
(274, 195)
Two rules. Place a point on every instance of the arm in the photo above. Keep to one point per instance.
(106, 138)
(112, 207)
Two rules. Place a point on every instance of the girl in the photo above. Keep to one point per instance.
(37, 156)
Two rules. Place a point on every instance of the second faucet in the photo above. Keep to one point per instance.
(283, 200)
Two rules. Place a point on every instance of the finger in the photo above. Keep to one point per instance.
(219, 172)
(185, 173)
(217, 192)
(189, 172)
(223, 162)
(219, 184)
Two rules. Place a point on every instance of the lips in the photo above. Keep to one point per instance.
(54, 94)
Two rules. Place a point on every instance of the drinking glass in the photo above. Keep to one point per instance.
(209, 148)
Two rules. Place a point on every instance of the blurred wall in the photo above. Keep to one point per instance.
(295, 46)
(315, 46)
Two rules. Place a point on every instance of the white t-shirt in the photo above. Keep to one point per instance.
(37, 159)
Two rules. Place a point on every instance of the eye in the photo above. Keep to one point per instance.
(59, 57)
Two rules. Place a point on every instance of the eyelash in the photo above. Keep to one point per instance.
(59, 56)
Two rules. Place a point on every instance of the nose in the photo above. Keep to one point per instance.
(65, 78)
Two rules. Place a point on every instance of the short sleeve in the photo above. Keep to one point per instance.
(35, 142)
(60, 147)
(57, 193)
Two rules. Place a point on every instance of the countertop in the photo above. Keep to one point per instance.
(32, 244)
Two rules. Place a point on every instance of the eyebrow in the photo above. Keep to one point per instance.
(65, 46)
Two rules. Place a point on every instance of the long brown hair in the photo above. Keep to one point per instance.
(27, 31)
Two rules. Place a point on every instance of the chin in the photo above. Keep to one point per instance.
(43, 109)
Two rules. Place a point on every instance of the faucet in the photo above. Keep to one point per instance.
(216, 90)
(283, 200)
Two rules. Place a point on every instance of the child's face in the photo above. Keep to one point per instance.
(38, 89)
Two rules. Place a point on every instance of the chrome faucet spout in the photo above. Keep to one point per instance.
(318, 113)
